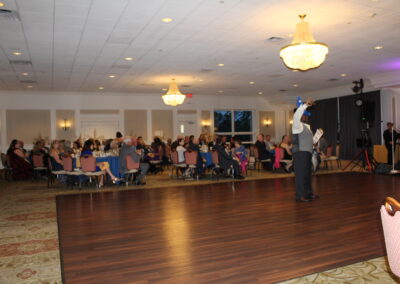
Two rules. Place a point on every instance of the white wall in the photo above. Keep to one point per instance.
(390, 107)
(114, 101)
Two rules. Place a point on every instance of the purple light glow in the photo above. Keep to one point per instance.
(393, 64)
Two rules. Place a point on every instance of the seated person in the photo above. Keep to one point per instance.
(240, 154)
(21, 167)
(87, 150)
(286, 145)
(55, 156)
(40, 149)
(270, 145)
(181, 150)
(128, 148)
(226, 162)
(263, 153)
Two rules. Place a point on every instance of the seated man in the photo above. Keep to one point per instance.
(126, 149)
(263, 153)
(226, 162)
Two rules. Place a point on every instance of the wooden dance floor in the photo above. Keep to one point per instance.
(246, 232)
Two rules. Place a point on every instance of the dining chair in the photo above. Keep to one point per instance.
(175, 164)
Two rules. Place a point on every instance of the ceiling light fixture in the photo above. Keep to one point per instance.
(25, 74)
(101, 88)
(343, 75)
(295, 85)
(220, 92)
(173, 97)
(29, 86)
(260, 93)
(128, 58)
(221, 64)
(16, 53)
(166, 20)
(1, 4)
(111, 76)
(304, 52)
(251, 83)
(378, 47)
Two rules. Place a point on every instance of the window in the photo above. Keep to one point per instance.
(234, 123)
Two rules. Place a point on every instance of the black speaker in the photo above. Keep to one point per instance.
(368, 111)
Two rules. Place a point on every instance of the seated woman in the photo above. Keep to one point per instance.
(226, 162)
(40, 149)
(21, 167)
(181, 150)
(55, 156)
(286, 145)
(76, 147)
(240, 154)
(87, 150)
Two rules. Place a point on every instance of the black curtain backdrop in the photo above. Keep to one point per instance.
(351, 125)
(325, 115)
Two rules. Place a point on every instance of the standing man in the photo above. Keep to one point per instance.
(390, 141)
(302, 153)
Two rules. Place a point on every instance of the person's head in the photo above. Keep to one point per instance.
(286, 139)
(260, 137)
(218, 140)
(268, 137)
(389, 125)
(128, 141)
(304, 118)
(181, 142)
(13, 144)
(169, 141)
(134, 141)
(55, 145)
(140, 140)
(157, 140)
(114, 145)
(76, 145)
(118, 134)
(186, 139)
(238, 143)
(88, 145)
(97, 145)
(195, 140)
(191, 138)
(39, 145)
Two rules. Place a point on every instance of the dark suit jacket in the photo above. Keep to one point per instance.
(225, 161)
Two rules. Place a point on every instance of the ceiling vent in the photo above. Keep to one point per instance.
(333, 80)
(206, 70)
(28, 81)
(185, 86)
(9, 15)
(274, 39)
(282, 90)
(21, 62)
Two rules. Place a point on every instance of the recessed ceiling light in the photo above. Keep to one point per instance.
(220, 92)
(128, 58)
(378, 47)
(1, 4)
(164, 89)
(221, 64)
(111, 76)
(343, 75)
(17, 53)
(295, 85)
(101, 88)
(260, 93)
(201, 80)
(251, 83)
(166, 20)
(29, 86)
(25, 74)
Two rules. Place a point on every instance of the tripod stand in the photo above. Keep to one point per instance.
(363, 159)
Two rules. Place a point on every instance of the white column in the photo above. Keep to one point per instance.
(174, 124)
(77, 123)
(149, 126)
(53, 125)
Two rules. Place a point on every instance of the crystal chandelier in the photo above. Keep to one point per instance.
(173, 97)
(304, 53)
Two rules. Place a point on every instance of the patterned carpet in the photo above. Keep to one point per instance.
(29, 239)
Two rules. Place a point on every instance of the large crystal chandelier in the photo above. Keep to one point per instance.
(173, 97)
(304, 53)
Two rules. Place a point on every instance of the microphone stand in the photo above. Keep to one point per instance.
(393, 171)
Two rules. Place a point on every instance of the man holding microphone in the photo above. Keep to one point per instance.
(303, 141)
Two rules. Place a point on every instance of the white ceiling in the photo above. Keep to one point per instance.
(75, 44)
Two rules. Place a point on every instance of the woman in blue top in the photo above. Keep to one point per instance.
(87, 150)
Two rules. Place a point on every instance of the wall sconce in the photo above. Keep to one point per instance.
(205, 123)
(267, 122)
(291, 122)
(65, 125)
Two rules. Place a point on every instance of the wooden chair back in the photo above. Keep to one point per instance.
(191, 157)
(67, 164)
(88, 163)
(37, 161)
(131, 164)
